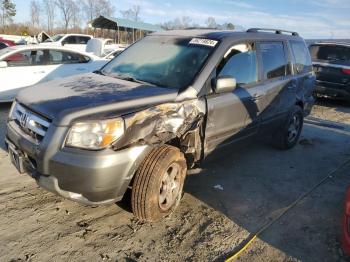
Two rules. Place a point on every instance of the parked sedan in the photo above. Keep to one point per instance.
(346, 225)
(6, 43)
(331, 62)
(22, 66)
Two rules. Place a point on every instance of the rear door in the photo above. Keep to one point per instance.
(302, 70)
(76, 42)
(68, 63)
(82, 42)
(277, 80)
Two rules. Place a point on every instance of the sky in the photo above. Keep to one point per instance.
(311, 18)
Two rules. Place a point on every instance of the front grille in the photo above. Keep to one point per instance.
(29, 122)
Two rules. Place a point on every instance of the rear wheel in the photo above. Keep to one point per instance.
(289, 134)
(158, 184)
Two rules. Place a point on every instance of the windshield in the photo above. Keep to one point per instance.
(330, 53)
(162, 61)
(55, 38)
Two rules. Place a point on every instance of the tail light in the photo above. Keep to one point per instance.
(346, 71)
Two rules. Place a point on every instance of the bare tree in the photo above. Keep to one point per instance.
(90, 9)
(66, 8)
(49, 7)
(8, 11)
(76, 17)
(132, 13)
(229, 26)
(35, 13)
(178, 23)
(185, 21)
(105, 8)
(95, 8)
(210, 22)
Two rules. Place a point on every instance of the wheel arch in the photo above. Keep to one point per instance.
(300, 103)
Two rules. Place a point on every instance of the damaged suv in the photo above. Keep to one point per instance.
(162, 106)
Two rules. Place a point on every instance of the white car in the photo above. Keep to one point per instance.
(102, 47)
(22, 66)
(72, 41)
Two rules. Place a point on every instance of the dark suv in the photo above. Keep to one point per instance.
(163, 105)
(331, 62)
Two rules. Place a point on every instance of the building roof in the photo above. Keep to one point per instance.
(113, 23)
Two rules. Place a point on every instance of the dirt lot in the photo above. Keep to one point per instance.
(225, 202)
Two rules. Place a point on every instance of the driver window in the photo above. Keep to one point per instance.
(240, 62)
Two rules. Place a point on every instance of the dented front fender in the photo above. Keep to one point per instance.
(163, 123)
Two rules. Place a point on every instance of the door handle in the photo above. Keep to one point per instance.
(257, 96)
(81, 69)
(39, 72)
(292, 86)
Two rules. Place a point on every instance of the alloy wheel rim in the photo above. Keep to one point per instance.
(169, 187)
(294, 127)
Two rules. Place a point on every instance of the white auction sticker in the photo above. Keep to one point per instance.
(202, 41)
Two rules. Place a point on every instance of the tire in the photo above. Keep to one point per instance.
(287, 136)
(158, 183)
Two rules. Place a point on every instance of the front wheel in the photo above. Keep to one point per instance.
(289, 134)
(158, 184)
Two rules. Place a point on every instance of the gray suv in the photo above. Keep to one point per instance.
(162, 106)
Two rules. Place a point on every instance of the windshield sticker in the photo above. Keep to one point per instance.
(201, 41)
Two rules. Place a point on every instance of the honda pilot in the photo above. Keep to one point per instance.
(159, 108)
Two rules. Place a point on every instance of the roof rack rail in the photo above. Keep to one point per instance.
(200, 28)
(277, 31)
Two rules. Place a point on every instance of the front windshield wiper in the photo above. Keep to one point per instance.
(129, 78)
(99, 72)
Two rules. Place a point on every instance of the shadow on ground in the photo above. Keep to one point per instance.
(258, 183)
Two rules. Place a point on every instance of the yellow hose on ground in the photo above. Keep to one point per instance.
(251, 239)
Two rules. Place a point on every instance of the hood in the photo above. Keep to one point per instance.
(89, 95)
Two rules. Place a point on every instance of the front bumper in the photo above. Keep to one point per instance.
(88, 177)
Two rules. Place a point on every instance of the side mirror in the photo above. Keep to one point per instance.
(225, 84)
(3, 64)
(63, 43)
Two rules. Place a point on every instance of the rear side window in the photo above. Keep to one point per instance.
(27, 58)
(2, 45)
(274, 61)
(330, 53)
(63, 57)
(70, 40)
(240, 62)
(83, 40)
(302, 58)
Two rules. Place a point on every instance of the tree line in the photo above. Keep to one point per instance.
(66, 16)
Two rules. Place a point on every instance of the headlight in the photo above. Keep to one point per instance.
(12, 108)
(95, 135)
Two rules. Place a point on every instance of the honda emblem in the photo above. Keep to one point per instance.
(23, 119)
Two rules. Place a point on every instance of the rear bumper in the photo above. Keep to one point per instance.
(308, 104)
(88, 177)
(332, 89)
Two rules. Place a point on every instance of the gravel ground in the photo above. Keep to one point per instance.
(332, 110)
(226, 201)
